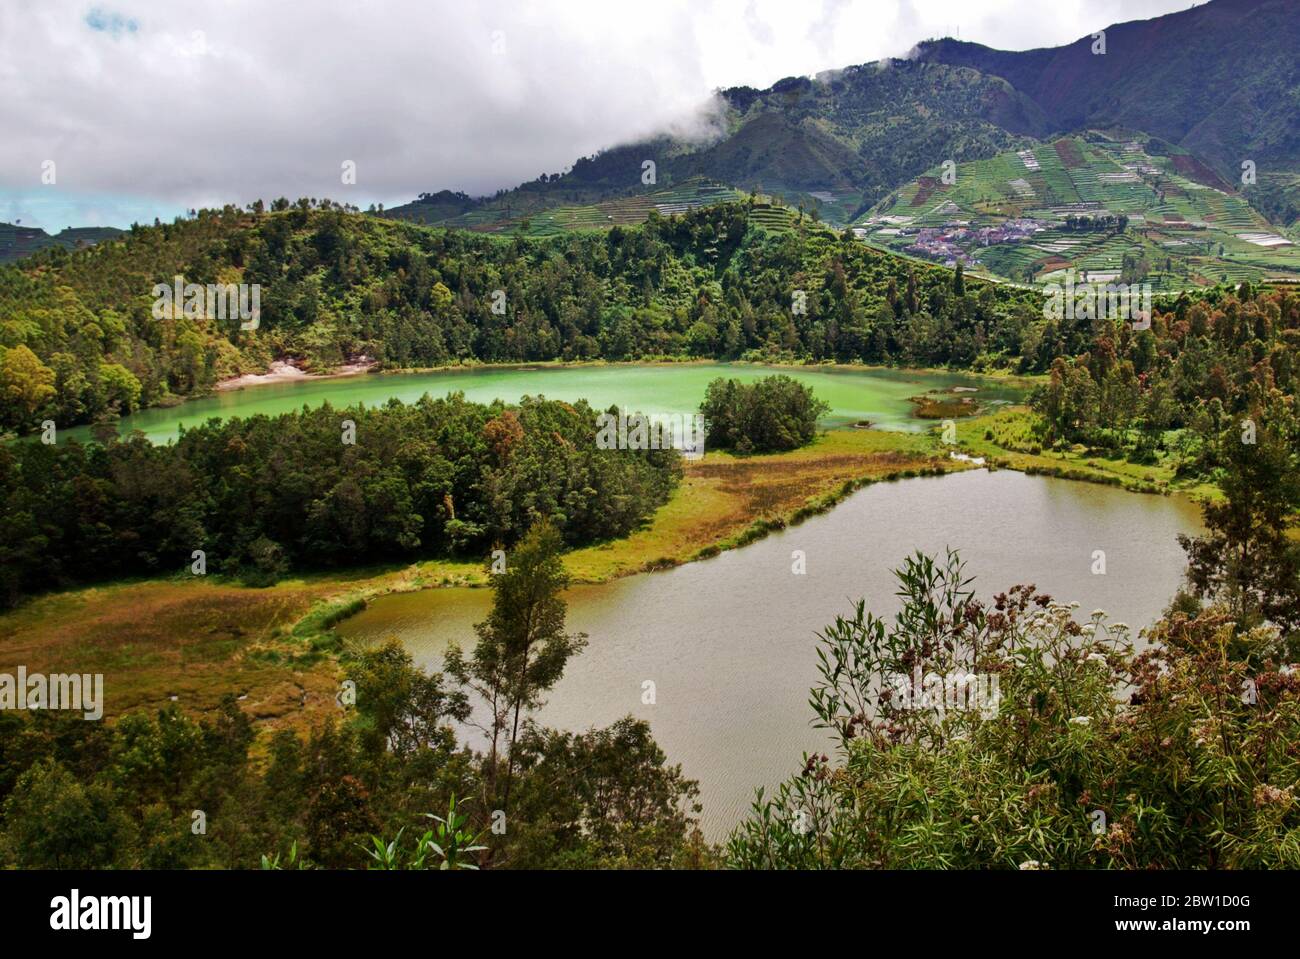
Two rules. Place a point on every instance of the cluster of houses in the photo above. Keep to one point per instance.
(950, 243)
(943, 244)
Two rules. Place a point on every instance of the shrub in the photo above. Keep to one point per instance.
(1092, 755)
(773, 414)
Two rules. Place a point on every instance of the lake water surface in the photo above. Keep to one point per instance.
(729, 641)
(880, 396)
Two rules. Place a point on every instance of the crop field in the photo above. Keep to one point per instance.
(1182, 225)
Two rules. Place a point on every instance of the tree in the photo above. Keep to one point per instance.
(26, 384)
(54, 822)
(522, 646)
(120, 388)
(405, 708)
(1247, 558)
(773, 414)
(1068, 402)
(607, 798)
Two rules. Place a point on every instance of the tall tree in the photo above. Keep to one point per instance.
(522, 646)
(1247, 558)
(26, 384)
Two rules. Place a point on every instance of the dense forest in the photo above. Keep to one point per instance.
(317, 488)
(79, 341)
(1176, 386)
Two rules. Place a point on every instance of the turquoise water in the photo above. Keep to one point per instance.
(880, 396)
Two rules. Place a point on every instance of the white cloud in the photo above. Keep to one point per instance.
(200, 102)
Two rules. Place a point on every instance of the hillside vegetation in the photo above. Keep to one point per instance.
(80, 342)
(838, 143)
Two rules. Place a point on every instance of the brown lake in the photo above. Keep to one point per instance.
(729, 641)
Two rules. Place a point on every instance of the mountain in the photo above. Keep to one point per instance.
(837, 142)
(1220, 80)
(1219, 83)
(17, 242)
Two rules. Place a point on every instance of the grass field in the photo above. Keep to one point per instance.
(1005, 439)
(184, 641)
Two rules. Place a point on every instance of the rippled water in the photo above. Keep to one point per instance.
(729, 641)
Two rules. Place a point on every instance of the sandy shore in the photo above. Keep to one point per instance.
(282, 372)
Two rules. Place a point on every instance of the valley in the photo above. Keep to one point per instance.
(389, 551)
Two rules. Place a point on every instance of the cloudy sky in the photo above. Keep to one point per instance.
(148, 107)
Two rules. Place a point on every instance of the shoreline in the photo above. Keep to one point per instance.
(291, 644)
(282, 371)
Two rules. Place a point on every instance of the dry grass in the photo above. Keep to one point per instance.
(722, 495)
(192, 640)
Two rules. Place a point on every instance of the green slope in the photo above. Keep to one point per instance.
(1220, 80)
(1177, 231)
(835, 143)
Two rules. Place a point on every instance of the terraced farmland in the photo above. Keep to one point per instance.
(1145, 209)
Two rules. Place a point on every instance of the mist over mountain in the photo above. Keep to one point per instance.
(1219, 81)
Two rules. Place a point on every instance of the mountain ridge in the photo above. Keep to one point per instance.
(18, 241)
(1218, 79)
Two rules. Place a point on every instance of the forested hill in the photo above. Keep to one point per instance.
(80, 341)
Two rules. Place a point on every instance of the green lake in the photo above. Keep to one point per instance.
(880, 396)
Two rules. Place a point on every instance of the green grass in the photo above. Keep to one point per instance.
(1007, 439)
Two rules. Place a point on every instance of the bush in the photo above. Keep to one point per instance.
(1088, 755)
(773, 414)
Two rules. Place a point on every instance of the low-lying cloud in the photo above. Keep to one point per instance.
(200, 102)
